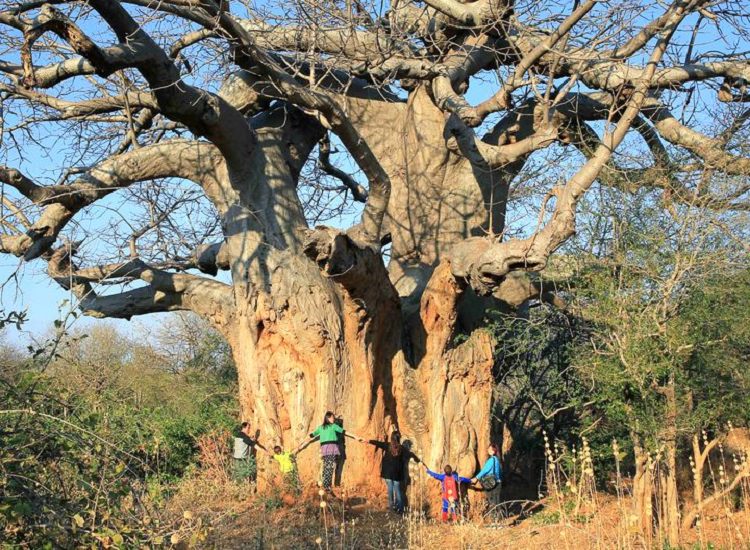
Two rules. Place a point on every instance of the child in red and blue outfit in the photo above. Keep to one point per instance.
(451, 493)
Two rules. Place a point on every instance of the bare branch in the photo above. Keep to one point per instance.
(484, 263)
(359, 193)
(196, 161)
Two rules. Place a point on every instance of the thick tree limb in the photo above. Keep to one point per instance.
(114, 58)
(131, 303)
(210, 258)
(195, 161)
(471, 14)
(380, 185)
(476, 53)
(710, 150)
(484, 263)
(164, 291)
(188, 40)
(487, 156)
(53, 20)
(205, 114)
(344, 261)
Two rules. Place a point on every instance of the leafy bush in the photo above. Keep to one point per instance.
(93, 438)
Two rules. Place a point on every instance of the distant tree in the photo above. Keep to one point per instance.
(668, 340)
(187, 342)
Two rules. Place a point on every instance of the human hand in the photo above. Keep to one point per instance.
(474, 480)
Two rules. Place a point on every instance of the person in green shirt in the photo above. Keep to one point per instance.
(330, 450)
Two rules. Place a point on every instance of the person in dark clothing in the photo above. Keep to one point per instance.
(395, 458)
(244, 464)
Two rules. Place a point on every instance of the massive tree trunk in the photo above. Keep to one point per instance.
(333, 329)
(339, 342)
(329, 327)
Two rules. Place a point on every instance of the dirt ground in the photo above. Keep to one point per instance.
(281, 521)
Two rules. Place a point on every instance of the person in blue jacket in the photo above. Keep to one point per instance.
(490, 475)
(451, 489)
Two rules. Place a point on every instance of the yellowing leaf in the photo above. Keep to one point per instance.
(118, 540)
(78, 520)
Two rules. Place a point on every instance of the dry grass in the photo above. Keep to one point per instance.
(573, 514)
(249, 524)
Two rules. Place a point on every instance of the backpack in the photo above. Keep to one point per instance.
(450, 488)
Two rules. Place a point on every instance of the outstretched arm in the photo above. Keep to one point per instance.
(258, 443)
(439, 477)
(338, 429)
(411, 456)
(486, 470)
(302, 446)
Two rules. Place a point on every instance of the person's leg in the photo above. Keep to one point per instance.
(252, 468)
(446, 505)
(399, 496)
(495, 500)
(329, 464)
(338, 469)
(389, 487)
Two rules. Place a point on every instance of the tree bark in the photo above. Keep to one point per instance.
(333, 329)
(643, 506)
(332, 338)
(669, 486)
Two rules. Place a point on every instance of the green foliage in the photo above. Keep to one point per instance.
(666, 328)
(93, 437)
(657, 307)
(536, 386)
(715, 321)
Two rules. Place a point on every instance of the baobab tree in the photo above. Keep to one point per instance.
(222, 128)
